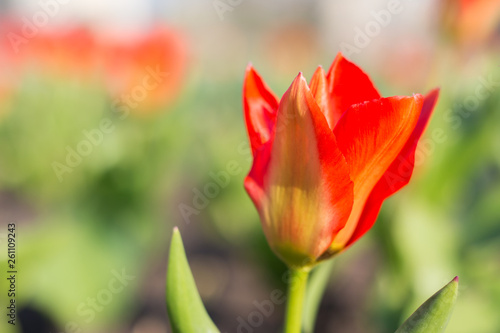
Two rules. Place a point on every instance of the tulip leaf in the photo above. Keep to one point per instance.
(434, 314)
(318, 282)
(184, 305)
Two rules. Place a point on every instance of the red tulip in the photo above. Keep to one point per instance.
(68, 52)
(161, 51)
(326, 156)
(143, 74)
(470, 22)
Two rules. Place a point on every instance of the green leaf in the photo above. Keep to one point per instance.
(185, 308)
(315, 291)
(434, 314)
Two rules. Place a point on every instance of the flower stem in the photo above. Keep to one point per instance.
(295, 300)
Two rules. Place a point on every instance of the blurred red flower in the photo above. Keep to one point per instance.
(143, 73)
(147, 73)
(471, 22)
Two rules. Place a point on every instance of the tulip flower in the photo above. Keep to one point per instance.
(470, 23)
(154, 63)
(63, 53)
(144, 73)
(326, 156)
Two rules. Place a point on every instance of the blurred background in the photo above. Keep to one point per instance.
(122, 119)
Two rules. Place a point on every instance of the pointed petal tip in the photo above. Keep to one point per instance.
(249, 68)
(299, 80)
(455, 279)
(341, 58)
(176, 230)
(339, 55)
(434, 93)
(319, 69)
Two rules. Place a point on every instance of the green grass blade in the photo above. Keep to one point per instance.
(433, 316)
(184, 305)
(314, 294)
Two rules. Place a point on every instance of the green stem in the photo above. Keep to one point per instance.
(295, 300)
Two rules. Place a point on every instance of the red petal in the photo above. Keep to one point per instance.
(370, 136)
(347, 85)
(307, 194)
(319, 90)
(398, 174)
(260, 106)
(254, 182)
